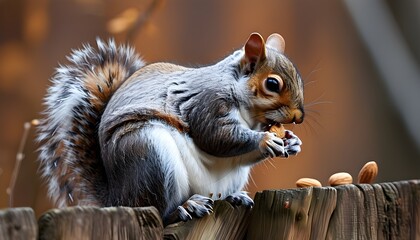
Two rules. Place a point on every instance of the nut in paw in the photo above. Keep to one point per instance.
(272, 146)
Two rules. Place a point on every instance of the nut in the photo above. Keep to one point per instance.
(35, 122)
(341, 178)
(279, 130)
(368, 173)
(308, 182)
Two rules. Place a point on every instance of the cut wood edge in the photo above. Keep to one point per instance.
(18, 223)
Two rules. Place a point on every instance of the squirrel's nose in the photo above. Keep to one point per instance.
(298, 115)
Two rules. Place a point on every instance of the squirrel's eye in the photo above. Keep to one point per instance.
(272, 85)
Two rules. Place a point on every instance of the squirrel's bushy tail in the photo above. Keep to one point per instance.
(69, 152)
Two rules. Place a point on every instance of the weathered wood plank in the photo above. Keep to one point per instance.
(322, 206)
(381, 215)
(101, 223)
(227, 222)
(415, 191)
(356, 213)
(18, 223)
(281, 214)
(407, 220)
(365, 211)
(369, 212)
(292, 214)
(404, 210)
(344, 223)
(391, 230)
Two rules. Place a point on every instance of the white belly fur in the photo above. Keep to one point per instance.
(208, 174)
(195, 171)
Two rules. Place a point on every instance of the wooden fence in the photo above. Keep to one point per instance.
(364, 211)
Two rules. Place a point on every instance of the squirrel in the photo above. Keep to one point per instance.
(119, 132)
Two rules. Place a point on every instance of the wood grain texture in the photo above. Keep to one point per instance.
(415, 190)
(280, 214)
(362, 211)
(323, 203)
(18, 223)
(408, 208)
(101, 223)
(292, 214)
(227, 222)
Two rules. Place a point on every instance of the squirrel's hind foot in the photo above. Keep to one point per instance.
(196, 206)
(240, 198)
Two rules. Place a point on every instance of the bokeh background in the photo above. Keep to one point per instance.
(359, 59)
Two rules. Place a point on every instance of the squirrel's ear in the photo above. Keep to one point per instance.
(276, 41)
(254, 49)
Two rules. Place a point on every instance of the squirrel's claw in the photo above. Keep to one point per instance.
(195, 206)
(292, 143)
(198, 205)
(240, 199)
(183, 214)
(272, 146)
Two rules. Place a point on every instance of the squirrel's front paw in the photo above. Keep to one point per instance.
(291, 143)
(272, 146)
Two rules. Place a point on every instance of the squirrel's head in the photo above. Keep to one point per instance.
(274, 82)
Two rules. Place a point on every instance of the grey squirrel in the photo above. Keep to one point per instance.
(118, 132)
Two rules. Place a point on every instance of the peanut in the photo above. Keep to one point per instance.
(368, 173)
(279, 130)
(308, 182)
(341, 178)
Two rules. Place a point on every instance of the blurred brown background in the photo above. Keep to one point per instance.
(362, 76)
